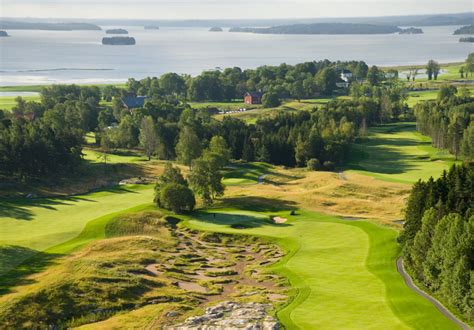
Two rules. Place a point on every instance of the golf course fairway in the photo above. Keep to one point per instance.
(33, 225)
(343, 273)
(398, 153)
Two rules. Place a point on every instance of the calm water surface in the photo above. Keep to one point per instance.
(45, 57)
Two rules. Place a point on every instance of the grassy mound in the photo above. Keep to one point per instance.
(145, 223)
(142, 258)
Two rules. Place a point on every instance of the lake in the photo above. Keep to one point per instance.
(46, 57)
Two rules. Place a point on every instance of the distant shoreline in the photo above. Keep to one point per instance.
(36, 87)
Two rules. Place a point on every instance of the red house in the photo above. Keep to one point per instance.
(253, 98)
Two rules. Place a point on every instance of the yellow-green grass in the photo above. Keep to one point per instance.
(37, 88)
(228, 106)
(343, 272)
(120, 157)
(30, 226)
(244, 174)
(8, 102)
(417, 97)
(398, 153)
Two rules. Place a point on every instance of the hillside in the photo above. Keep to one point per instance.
(323, 28)
(468, 29)
(14, 25)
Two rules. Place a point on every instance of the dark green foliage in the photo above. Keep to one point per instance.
(432, 70)
(438, 237)
(448, 121)
(313, 164)
(469, 29)
(177, 198)
(270, 100)
(206, 179)
(170, 175)
(300, 81)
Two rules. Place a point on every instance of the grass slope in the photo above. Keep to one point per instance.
(344, 272)
(44, 223)
(397, 153)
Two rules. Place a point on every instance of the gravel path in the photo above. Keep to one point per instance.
(438, 305)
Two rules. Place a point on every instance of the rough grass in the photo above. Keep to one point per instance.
(397, 153)
(352, 195)
(112, 275)
(344, 272)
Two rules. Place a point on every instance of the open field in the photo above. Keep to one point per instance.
(397, 153)
(8, 102)
(344, 271)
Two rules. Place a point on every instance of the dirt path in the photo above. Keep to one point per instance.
(438, 305)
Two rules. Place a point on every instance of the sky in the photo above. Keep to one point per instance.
(220, 9)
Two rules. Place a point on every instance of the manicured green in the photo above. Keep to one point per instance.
(8, 102)
(42, 223)
(343, 272)
(397, 153)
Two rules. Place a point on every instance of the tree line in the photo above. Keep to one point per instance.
(44, 137)
(447, 120)
(438, 237)
(300, 81)
(41, 138)
(323, 135)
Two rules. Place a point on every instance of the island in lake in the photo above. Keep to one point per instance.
(4, 34)
(216, 29)
(411, 30)
(118, 41)
(469, 29)
(116, 31)
(323, 28)
(14, 25)
(151, 27)
(467, 39)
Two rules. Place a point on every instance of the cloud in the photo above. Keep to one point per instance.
(178, 9)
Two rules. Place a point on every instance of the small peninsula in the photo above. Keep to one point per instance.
(411, 30)
(151, 27)
(468, 29)
(323, 28)
(116, 31)
(216, 29)
(119, 41)
(4, 34)
(467, 39)
(14, 25)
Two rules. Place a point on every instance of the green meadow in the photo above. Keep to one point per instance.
(397, 153)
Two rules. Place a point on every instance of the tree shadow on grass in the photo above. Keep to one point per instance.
(237, 221)
(258, 204)
(17, 263)
(384, 155)
(20, 209)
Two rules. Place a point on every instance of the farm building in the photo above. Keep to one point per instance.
(346, 75)
(253, 98)
(134, 102)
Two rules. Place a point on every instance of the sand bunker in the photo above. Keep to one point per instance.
(279, 220)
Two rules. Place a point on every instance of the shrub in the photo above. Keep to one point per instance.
(313, 164)
(328, 165)
(270, 100)
(177, 198)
